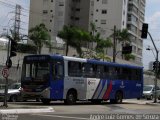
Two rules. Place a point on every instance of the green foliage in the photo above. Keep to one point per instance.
(103, 57)
(40, 36)
(26, 48)
(101, 44)
(74, 37)
(129, 56)
(67, 35)
(121, 35)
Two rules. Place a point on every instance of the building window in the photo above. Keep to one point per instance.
(50, 20)
(97, 0)
(51, 0)
(76, 1)
(123, 23)
(96, 20)
(103, 21)
(61, 3)
(97, 10)
(50, 30)
(104, 1)
(60, 13)
(72, 17)
(45, 11)
(92, 3)
(51, 10)
(76, 18)
(77, 9)
(104, 11)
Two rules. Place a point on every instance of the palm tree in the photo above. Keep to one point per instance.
(40, 36)
(82, 37)
(121, 36)
(67, 35)
(101, 45)
(74, 37)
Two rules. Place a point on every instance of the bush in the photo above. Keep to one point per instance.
(26, 48)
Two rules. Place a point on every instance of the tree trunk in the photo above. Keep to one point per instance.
(39, 50)
(67, 47)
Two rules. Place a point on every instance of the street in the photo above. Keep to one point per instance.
(141, 109)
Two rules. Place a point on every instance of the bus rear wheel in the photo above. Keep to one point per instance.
(71, 98)
(118, 98)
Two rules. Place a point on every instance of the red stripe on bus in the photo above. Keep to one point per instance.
(107, 93)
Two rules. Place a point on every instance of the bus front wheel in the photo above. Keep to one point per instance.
(45, 101)
(71, 98)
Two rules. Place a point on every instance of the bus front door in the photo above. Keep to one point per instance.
(57, 82)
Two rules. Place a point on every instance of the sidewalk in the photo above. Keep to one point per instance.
(21, 109)
(142, 102)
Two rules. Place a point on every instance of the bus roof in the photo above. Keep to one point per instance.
(94, 61)
(113, 64)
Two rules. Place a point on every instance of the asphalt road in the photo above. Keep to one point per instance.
(86, 111)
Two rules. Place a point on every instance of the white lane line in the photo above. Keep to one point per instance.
(20, 111)
(66, 117)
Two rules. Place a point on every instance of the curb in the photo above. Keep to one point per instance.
(22, 111)
(151, 103)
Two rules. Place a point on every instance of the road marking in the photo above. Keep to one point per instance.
(21, 111)
(67, 117)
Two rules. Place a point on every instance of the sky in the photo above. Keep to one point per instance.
(152, 17)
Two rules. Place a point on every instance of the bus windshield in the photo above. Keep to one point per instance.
(36, 71)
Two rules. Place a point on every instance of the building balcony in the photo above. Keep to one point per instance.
(133, 2)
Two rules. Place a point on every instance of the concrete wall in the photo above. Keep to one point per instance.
(149, 80)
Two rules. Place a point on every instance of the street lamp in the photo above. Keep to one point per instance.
(156, 72)
(151, 50)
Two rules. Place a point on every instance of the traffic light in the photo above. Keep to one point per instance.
(144, 30)
(13, 49)
(156, 65)
(127, 50)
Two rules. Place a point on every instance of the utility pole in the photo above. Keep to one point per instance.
(156, 71)
(16, 38)
(17, 22)
(114, 44)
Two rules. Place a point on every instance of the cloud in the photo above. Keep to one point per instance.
(153, 20)
(153, 1)
(7, 14)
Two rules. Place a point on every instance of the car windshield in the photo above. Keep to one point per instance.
(14, 86)
(147, 88)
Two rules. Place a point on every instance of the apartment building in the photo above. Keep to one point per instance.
(104, 13)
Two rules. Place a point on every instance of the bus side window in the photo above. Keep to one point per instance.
(74, 69)
(89, 70)
(100, 71)
(57, 70)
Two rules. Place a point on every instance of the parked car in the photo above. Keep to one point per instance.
(13, 92)
(2, 86)
(148, 92)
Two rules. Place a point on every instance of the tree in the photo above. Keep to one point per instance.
(67, 35)
(121, 36)
(74, 37)
(40, 36)
(81, 37)
(101, 45)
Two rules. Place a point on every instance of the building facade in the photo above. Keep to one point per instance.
(105, 14)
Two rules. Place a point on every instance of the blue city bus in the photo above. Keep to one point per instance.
(56, 77)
